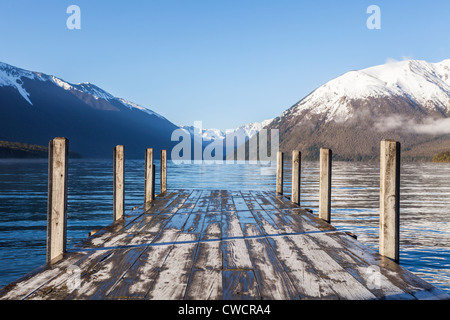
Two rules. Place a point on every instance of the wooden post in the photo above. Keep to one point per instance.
(149, 176)
(280, 170)
(390, 199)
(163, 182)
(154, 181)
(296, 176)
(119, 182)
(58, 154)
(325, 185)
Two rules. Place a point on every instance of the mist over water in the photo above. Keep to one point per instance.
(425, 205)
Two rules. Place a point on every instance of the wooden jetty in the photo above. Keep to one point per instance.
(194, 244)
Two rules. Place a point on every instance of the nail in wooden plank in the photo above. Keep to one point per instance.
(390, 199)
(325, 185)
(119, 182)
(57, 198)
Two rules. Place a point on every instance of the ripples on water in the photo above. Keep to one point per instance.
(425, 205)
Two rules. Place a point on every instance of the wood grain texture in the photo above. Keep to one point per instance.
(221, 245)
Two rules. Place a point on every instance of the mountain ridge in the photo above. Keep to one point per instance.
(401, 100)
(36, 107)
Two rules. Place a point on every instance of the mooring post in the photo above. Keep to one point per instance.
(58, 154)
(149, 178)
(119, 182)
(280, 170)
(325, 185)
(296, 176)
(390, 199)
(154, 181)
(163, 181)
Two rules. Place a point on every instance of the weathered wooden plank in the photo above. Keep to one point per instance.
(248, 223)
(308, 283)
(171, 282)
(370, 276)
(206, 278)
(26, 286)
(173, 205)
(194, 223)
(273, 200)
(305, 220)
(240, 285)
(235, 253)
(94, 269)
(226, 202)
(250, 201)
(165, 200)
(344, 284)
(190, 203)
(212, 227)
(215, 204)
(262, 200)
(273, 282)
(266, 223)
(59, 287)
(140, 277)
(285, 202)
(398, 275)
(203, 202)
(240, 203)
(99, 280)
(287, 223)
(177, 222)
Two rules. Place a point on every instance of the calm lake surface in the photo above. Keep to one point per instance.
(425, 205)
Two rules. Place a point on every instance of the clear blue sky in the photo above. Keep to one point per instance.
(224, 62)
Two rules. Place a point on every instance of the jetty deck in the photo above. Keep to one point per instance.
(221, 245)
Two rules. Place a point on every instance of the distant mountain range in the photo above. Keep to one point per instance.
(407, 100)
(244, 132)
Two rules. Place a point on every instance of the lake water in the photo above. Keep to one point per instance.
(425, 205)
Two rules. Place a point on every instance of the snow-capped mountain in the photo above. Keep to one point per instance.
(353, 112)
(36, 107)
(243, 133)
(422, 83)
(12, 76)
(206, 134)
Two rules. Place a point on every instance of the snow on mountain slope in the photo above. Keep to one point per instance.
(426, 84)
(253, 128)
(207, 134)
(11, 76)
(246, 131)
